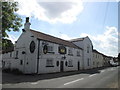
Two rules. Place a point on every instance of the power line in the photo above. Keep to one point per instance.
(105, 14)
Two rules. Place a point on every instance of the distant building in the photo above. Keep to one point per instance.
(97, 59)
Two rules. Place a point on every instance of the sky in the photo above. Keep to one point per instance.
(73, 19)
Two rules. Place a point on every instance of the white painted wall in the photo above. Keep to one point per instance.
(83, 44)
(98, 60)
(29, 59)
(57, 57)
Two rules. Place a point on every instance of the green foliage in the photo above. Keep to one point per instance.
(7, 45)
(10, 20)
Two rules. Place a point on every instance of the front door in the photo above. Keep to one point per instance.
(78, 65)
(61, 66)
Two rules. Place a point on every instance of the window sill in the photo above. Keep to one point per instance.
(49, 66)
(51, 52)
(70, 66)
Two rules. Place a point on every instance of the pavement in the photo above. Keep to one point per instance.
(95, 78)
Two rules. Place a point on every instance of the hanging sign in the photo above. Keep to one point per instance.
(62, 50)
(45, 49)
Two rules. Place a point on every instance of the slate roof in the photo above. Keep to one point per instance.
(46, 37)
(77, 39)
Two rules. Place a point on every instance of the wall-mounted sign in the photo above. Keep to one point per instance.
(62, 50)
(32, 46)
(45, 49)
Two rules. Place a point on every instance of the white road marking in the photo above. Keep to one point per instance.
(73, 81)
(34, 83)
(92, 75)
(103, 71)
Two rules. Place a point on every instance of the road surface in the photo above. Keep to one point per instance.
(96, 78)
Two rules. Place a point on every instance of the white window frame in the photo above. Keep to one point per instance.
(49, 62)
(70, 63)
(70, 51)
(50, 49)
(88, 49)
(78, 53)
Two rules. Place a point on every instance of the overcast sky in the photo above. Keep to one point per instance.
(69, 20)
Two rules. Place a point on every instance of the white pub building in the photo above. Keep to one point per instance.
(36, 52)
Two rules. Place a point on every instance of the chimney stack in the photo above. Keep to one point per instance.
(27, 24)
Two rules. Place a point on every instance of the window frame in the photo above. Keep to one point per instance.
(50, 63)
(70, 63)
(70, 51)
(50, 49)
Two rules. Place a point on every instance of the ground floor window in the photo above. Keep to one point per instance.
(88, 62)
(70, 63)
(49, 63)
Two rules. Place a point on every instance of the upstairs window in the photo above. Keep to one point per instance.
(50, 49)
(16, 56)
(78, 53)
(88, 49)
(70, 52)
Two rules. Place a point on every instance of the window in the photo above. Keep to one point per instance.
(70, 63)
(78, 53)
(50, 49)
(88, 61)
(93, 63)
(10, 54)
(16, 55)
(49, 63)
(66, 63)
(70, 52)
(88, 49)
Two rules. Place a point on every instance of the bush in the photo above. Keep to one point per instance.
(16, 71)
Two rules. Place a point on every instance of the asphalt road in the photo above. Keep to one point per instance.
(96, 78)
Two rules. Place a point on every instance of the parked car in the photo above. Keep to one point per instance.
(114, 64)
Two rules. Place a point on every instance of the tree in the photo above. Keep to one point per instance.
(7, 46)
(10, 20)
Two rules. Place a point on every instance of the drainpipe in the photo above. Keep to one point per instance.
(38, 56)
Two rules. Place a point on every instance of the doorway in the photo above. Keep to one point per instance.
(61, 66)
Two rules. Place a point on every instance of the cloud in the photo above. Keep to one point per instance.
(13, 38)
(66, 37)
(107, 42)
(52, 12)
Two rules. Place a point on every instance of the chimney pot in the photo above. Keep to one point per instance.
(27, 19)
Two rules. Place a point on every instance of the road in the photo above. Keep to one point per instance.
(96, 78)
